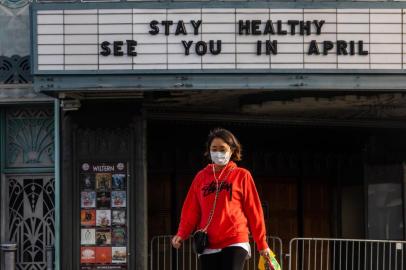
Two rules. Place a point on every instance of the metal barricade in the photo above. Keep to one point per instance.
(274, 243)
(164, 257)
(346, 254)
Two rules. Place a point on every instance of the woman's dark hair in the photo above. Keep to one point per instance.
(228, 138)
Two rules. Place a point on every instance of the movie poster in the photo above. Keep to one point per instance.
(88, 217)
(87, 255)
(103, 255)
(103, 218)
(87, 181)
(118, 217)
(119, 255)
(118, 181)
(103, 181)
(103, 199)
(88, 199)
(119, 236)
(118, 199)
(103, 237)
(88, 236)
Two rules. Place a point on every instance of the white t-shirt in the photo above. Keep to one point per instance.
(244, 245)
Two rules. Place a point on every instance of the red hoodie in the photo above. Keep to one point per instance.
(237, 212)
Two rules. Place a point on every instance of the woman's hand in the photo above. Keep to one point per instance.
(177, 241)
(265, 253)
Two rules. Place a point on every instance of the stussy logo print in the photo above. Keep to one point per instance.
(211, 188)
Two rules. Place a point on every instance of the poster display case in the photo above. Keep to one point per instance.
(103, 216)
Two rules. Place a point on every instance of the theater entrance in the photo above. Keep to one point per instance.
(312, 175)
(301, 173)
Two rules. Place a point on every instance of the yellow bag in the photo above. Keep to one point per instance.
(268, 263)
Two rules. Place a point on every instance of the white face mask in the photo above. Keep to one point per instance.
(220, 158)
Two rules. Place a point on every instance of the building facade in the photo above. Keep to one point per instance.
(105, 108)
(26, 147)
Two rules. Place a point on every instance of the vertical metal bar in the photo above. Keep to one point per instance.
(183, 257)
(377, 255)
(296, 255)
(322, 255)
(340, 256)
(254, 254)
(352, 255)
(370, 256)
(164, 252)
(177, 259)
(309, 256)
(328, 254)
(281, 255)
(346, 255)
(57, 173)
(196, 257)
(315, 254)
(190, 257)
(334, 254)
(359, 256)
(170, 254)
(303, 248)
(366, 199)
(158, 253)
(365, 255)
(384, 255)
(152, 253)
(396, 258)
(390, 256)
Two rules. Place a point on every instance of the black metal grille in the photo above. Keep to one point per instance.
(31, 218)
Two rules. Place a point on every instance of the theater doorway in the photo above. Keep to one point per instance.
(300, 173)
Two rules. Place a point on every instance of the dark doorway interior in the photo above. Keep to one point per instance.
(299, 171)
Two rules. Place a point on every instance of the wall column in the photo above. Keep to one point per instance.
(56, 247)
(140, 197)
(67, 257)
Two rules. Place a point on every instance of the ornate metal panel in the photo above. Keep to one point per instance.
(29, 139)
(15, 69)
(31, 219)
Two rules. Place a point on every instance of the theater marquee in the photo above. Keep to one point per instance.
(102, 39)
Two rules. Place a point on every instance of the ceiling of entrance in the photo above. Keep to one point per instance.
(391, 106)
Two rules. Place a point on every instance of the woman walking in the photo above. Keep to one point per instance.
(223, 201)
